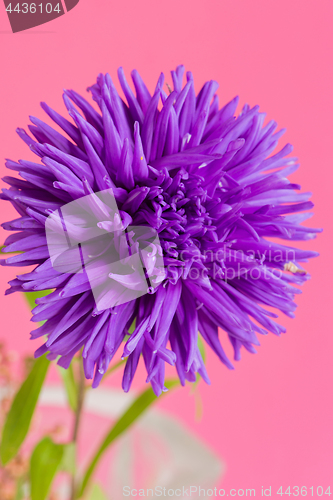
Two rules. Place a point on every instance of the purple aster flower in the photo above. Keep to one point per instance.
(210, 187)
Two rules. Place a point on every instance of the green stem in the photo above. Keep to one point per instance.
(77, 421)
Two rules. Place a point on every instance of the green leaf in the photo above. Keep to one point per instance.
(22, 409)
(201, 348)
(69, 458)
(6, 253)
(97, 493)
(198, 377)
(68, 379)
(44, 463)
(32, 296)
(132, 327)
(203, 355)
(137, 408)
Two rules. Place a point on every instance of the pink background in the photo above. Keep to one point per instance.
(271, 418)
